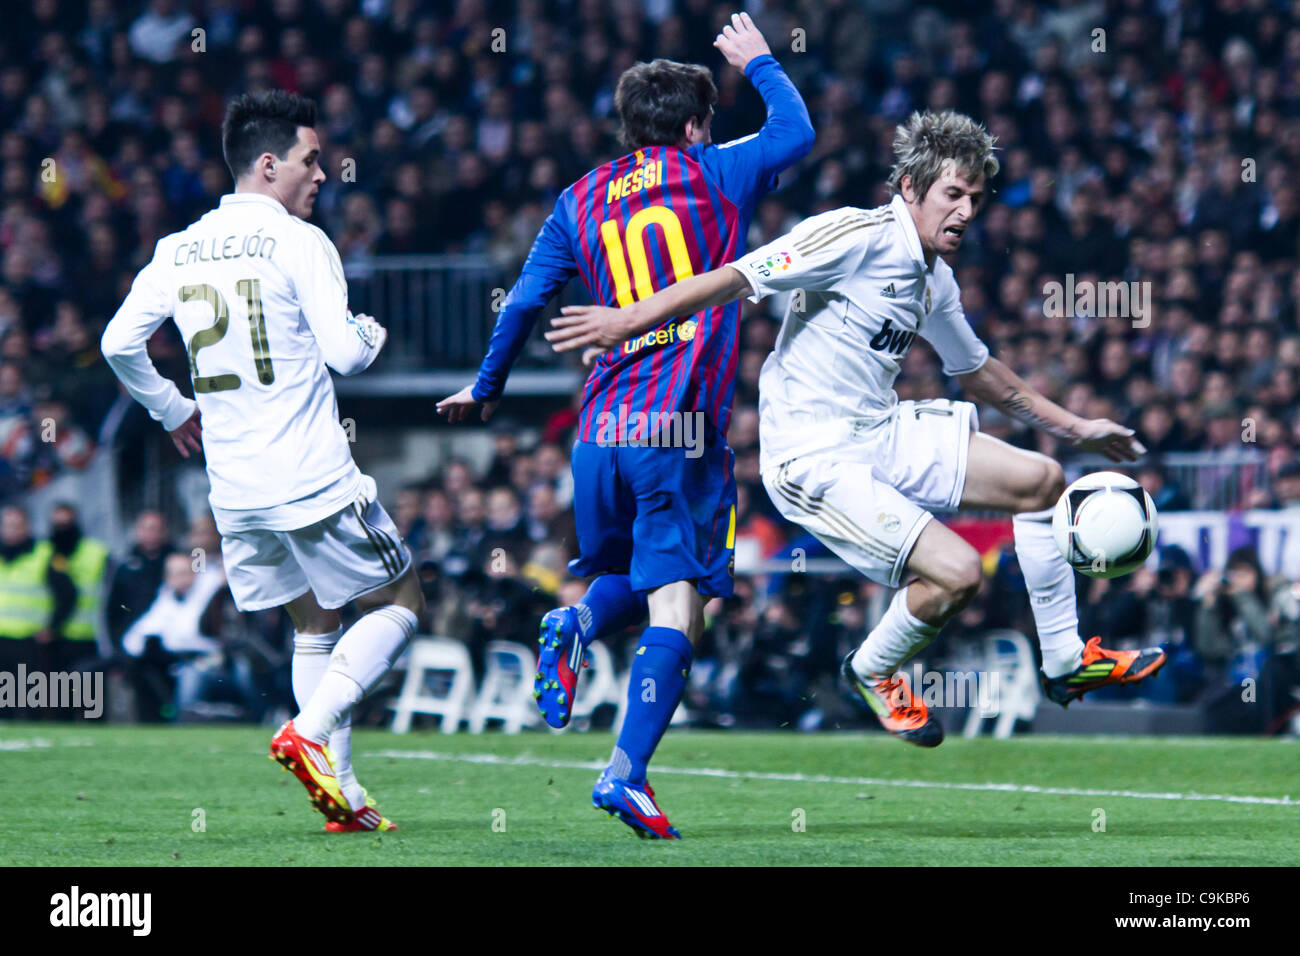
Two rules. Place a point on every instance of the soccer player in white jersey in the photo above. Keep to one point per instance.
(844, 458)
(259, 298)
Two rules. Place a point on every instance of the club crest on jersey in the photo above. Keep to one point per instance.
(892, 340)
(929, 301)
(776, 262)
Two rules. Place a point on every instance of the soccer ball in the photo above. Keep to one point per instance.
(1105, 524)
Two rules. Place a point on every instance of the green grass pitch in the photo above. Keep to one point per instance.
(126, 796)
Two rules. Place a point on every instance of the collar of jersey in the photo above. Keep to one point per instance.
(913, 238)
(230, 198)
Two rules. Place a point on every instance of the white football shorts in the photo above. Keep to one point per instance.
(869, 498)
(339, 558)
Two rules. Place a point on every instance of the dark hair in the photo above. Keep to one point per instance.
(1246, 557)
(258, 123)
(654, 101)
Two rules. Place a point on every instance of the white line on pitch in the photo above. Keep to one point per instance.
(525, 761)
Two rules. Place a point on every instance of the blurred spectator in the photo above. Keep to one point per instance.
(84, 560)
(137, 577)
(36, 599)
(173, 657)
(1237, 626)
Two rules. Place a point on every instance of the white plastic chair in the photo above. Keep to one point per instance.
(441, 655)
(506, 693)
(1008, 659)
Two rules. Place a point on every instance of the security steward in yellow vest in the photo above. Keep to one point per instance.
(36, 599)
(85, 561)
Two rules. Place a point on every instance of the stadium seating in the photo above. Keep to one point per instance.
(452, 703)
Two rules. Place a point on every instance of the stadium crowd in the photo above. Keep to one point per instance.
(1153, 152)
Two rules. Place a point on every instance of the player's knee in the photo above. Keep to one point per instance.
(1048, 486)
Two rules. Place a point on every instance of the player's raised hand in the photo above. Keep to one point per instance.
(581, 326)
(189, 436)
(741, 41)
(1110, 439)
(460, 406)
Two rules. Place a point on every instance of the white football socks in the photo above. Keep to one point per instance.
(897, 636)
(311, 658)
(360, 660)
(1050, 581)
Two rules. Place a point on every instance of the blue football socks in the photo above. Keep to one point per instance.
(609, 605)
(659, 669)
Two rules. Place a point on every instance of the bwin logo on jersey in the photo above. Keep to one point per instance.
(892, 340)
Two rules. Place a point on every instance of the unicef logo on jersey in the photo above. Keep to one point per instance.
(683, 331)
(892, 340)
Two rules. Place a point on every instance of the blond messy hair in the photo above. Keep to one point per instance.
(927, 140)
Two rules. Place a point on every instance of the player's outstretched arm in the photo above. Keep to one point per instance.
(461, 406)
(550, 264)
(583, 326)
(999, 386)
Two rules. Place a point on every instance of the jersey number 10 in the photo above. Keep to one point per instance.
(251, 290)
(674, 239)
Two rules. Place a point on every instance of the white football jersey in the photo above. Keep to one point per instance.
(866, 294)
(260, 300)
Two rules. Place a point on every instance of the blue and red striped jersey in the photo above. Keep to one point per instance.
(641, 223)
(634, 226)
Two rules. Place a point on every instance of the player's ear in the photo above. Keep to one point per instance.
(905, 187)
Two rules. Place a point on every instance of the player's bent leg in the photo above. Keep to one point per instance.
(316, 632)
(949, 575)
(660, 668)
(364, 654)
(609, 605)
(359, 661)
(1001, 477)
(1028, 484)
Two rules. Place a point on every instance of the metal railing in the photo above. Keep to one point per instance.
(1205, 481)
(440, 310)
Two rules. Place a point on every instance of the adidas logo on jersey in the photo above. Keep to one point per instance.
(889, 292)
(891, 340)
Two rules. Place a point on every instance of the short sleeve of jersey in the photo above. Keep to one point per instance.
(816, 254)
(946, 328)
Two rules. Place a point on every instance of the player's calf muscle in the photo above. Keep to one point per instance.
(950, 574)
(676, 605)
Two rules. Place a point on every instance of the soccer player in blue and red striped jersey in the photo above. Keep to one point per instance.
(654, 496)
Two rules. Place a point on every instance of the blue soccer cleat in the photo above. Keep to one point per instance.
(634, 805)
(558, 663)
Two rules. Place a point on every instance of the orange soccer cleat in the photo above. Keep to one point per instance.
(1101, 667)
(901, 713)
(308, 761)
